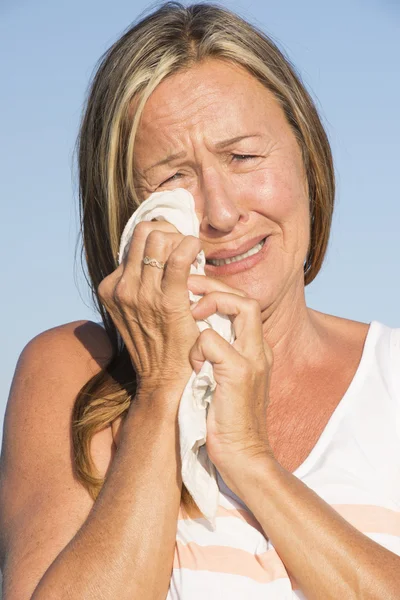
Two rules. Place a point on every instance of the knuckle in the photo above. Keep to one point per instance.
(156, 237)
(254, 305)
(143, 229)
(260, 369)
(169, 227)
(123, 293)
(177, 259)
(193, 239)
(105, 287)
(207, 333)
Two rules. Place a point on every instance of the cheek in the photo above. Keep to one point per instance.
(281, 196)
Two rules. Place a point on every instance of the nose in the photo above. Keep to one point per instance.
(219, 206)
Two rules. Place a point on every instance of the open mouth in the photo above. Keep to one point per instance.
(226, 261)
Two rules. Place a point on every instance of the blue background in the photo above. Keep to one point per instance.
(347, 53)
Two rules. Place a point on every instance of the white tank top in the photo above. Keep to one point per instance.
(354, 467)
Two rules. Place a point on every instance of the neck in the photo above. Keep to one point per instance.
(293, 332)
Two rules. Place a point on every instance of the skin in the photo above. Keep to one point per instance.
(235, 199)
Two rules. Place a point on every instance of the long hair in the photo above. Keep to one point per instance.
(172, 38)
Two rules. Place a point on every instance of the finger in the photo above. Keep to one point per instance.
(212, 347)
(177, 268)
(245, 314)
(159, 245)
(133, 259)
(201, 284)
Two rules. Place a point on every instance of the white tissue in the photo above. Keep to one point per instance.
(198, 472)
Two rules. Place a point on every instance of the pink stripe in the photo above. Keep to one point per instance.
(370, 519)
(263, 568)
(267, 566)
(364, 517)
(239, 513)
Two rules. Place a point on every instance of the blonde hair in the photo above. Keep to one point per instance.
(170, 39)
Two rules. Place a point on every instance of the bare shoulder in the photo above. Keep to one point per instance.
(342, 331)
(85, 338)
(64, 358)
(42, 504)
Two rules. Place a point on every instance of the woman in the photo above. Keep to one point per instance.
(302, 427)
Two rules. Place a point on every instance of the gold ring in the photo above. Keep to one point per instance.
(153, 262)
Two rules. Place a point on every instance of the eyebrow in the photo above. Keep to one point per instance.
(218, 146)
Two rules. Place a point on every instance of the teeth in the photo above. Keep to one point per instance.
(227, 261)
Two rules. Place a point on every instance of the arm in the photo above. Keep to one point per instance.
(125, 547)
(55, 542)
(328, 557)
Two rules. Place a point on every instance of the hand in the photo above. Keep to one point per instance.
(150, 307)
(236, 420)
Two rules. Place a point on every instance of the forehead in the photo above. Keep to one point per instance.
(216, 96)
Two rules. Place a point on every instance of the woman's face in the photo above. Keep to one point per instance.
(236, 198)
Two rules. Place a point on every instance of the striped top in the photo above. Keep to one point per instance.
(354, 466)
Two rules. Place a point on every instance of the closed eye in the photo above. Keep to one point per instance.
(241, 157)
(244, 156)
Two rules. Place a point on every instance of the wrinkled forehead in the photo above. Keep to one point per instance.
(213, 92)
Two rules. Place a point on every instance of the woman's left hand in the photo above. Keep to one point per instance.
(236, 420)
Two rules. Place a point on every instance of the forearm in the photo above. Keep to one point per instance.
(125, 547)
(326, 555)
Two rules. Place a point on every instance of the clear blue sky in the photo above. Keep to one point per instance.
(348, 54)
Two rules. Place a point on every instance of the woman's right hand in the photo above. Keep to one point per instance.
(150, 307)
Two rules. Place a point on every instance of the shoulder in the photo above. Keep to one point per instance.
(340, 333)
(51, 370)
(71, 354)
(381, 343)
(81, 340)
(55, 365)
(58, 362)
